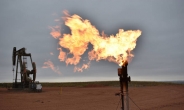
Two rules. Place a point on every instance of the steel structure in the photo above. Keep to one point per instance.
(19, 59)
(124, 79)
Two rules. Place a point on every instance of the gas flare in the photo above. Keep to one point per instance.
(80, 69)
(114, 48)
(51, 53)
(55, 31)
(49, 64)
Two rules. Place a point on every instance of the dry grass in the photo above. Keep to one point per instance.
(96, 84)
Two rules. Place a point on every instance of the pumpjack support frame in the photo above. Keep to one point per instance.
(18, 57)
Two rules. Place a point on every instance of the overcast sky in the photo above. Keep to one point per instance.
(158, 55)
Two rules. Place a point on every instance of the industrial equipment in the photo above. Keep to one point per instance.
(19, 59)
(124, 79)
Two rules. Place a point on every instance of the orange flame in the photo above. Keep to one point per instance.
(115, 48)
(80, 69)
(49, 64)
(51, 53)
(55, 31)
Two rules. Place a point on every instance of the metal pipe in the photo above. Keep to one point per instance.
(16, 72)
(123, 78)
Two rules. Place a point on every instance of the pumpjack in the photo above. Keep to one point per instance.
(19, 59)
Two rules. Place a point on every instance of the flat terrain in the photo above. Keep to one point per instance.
(162, 97)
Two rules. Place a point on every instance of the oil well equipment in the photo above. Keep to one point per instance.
(19, 61)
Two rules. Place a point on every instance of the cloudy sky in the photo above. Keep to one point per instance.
(158, 55)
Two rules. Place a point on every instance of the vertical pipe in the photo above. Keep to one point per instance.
(125, 86)
(121, 86)
(16, 72)
(123, 78)
(21, 69)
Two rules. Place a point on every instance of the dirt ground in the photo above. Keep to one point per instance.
(93, 98)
